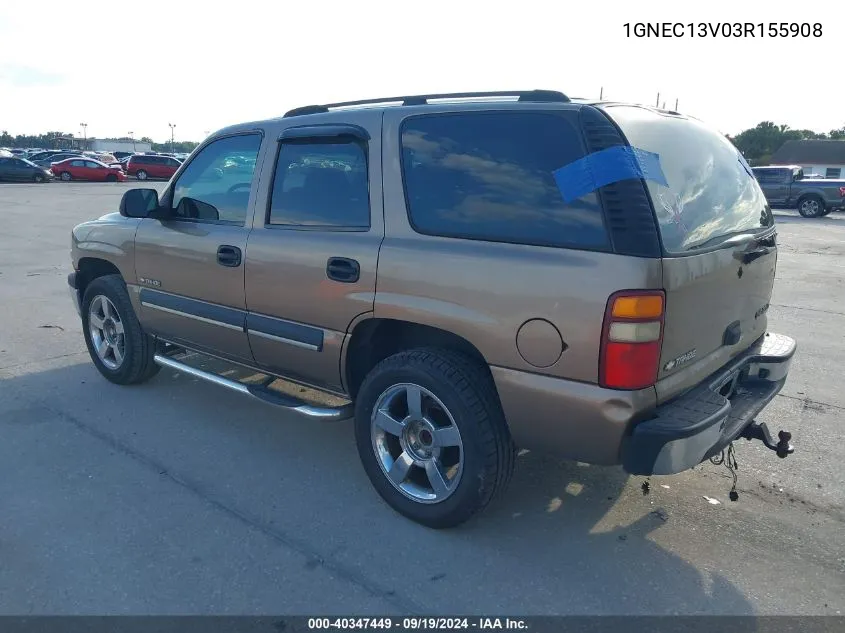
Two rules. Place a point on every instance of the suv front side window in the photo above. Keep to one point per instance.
(209, 189)
(321, 183)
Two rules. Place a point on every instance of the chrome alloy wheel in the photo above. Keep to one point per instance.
(810, 207)
(106, 330)
(417, 443)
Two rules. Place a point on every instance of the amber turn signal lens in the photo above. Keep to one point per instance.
(642, 307)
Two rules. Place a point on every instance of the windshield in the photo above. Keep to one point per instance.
(711, 191)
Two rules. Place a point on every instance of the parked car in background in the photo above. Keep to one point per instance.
(103, 157)
(81, 168)
(121, 155)
(813, 177)
(144, 166)
(53, 158)
(45, 153)
(13, 169)
(786, 187)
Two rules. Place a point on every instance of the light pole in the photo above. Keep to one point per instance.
(172, 142)
(132, 138)
(84, 127)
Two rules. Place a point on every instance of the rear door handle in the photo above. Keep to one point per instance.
(229, 256)
(343, 269)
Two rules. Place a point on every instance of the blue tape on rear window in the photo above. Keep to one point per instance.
(605, 167)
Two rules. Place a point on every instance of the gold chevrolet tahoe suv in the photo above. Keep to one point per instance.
(464, 275)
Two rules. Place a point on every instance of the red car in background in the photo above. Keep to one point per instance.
(86, 169)
(144, 166)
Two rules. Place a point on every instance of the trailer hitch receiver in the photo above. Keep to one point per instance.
(759, 431)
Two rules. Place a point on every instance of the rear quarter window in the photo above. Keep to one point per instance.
(712, 192)
(489, 176)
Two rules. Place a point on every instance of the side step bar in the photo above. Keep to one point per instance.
(325, 414)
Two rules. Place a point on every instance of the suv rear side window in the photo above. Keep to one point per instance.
(712, 192)
(321, 183)
(488, 176)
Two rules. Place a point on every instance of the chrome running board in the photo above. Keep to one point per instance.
(261, 392)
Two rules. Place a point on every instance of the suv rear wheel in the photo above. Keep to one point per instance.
(120, 349)
(432, 436)
(141, 175)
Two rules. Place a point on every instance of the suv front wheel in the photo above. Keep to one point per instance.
(141, 175)
(120, 349)
(432, 436)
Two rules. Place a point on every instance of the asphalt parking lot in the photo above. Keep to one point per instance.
(177, 497)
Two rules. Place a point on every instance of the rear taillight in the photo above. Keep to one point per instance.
(842, 192)
(631, 339)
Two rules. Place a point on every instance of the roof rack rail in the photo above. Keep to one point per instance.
(531, 96)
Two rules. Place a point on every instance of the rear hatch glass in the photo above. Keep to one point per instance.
(719, 253)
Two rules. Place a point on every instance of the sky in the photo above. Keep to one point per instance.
(120, 68)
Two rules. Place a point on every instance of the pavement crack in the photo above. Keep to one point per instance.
(313, 557)
(833, 511)
(810, 401)
(786, 305)
(41, 360)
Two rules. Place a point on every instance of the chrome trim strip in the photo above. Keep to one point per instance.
(288, 341)
(191, 316)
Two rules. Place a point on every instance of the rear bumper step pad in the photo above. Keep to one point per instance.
(700, 423)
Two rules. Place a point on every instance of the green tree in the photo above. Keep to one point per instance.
(757, 144)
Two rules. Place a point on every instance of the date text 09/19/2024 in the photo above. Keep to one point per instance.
(722, 29)
(417, 624)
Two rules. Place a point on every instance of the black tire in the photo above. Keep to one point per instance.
(137, 365)
(111, 178)
(141, 175)
(66, 176)
(466, 388)
(811, 206)
(38, 178)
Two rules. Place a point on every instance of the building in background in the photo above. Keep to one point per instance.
(826, 158)
(122, 145)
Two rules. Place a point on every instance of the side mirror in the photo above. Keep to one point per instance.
(137, 203)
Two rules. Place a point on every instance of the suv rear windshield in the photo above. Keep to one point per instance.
(489, 176)
(712, 192)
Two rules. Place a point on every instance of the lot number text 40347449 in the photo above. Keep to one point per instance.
(722, 29)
